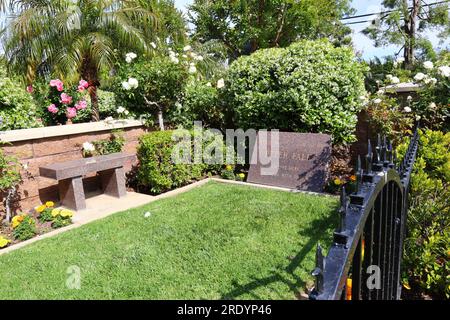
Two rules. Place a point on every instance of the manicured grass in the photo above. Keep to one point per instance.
(216, 241)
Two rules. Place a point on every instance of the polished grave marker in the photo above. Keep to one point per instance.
(303, 162)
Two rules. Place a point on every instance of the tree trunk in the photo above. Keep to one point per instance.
(94, 102)
(89, 72)
(410, 30)
(160, 119)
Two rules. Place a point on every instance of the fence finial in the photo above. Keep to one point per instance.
(318, 272)
(378, 148)
(342, 210)
(359, 174)
(384, 149)
(369, 157)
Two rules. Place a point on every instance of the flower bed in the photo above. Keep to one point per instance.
(37, 221)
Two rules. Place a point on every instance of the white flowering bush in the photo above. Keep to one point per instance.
(433, 103)
(147, 85)
(310, 86)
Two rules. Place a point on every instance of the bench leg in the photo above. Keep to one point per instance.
(113, 182)
(71, 193)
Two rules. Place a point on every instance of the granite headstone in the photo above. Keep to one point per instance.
(303, 162)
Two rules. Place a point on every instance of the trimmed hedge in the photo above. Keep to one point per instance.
(157, 172)
(309, 86)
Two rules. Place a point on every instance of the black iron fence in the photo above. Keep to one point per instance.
(365, 259)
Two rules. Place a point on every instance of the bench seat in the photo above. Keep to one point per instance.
(70, 177)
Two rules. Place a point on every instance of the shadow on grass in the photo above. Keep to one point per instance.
(316, 232)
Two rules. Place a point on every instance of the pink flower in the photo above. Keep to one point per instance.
(30, 89)
(82, 104)
(58, 84)
(84, 84)
(52, 108)
(71, 113)
(65, 98)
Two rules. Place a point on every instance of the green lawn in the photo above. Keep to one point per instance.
(216, 241)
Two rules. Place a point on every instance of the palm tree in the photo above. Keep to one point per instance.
(73, 38)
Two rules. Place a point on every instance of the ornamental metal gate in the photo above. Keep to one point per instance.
(365, 258)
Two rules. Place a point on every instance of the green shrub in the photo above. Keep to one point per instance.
(114, 144)
(17, 107)
(26, 229)
(200, 102)
(309, 86)
(427, 255)
(157, 172)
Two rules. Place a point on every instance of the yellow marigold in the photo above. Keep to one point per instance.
(41, 208)
(406, 285)
(4, 242)
(55, 212)
(16, 220)
(229, 167)
(49, 204)
(66, 213)
(241, 175)
(353, 178)
(337, 181)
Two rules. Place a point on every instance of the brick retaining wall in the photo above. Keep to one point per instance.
(37, 152)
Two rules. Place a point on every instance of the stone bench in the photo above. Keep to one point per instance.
(70, 177)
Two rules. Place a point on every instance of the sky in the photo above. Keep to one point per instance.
(362, 43)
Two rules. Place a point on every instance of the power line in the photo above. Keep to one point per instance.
(388, 11)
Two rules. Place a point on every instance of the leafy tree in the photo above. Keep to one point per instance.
(405, 23)
(72, 39)
(244, 26)
(159, 83)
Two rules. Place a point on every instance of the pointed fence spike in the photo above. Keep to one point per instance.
(369, 157)
(318, 270)
(359, 174)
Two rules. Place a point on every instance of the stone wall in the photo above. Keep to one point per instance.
(41, 146)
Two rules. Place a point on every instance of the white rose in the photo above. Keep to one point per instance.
(120, 110)
(87, 146)
(395, 80)
(433, 80)
(133, 82)
(377, 101)
(199, 58)
(128, 59)
(419, 77)
(407, 109)
(220, 83)
(187, 48)
(174, 59)
(409, 98)
(192, 69)
(444, 71)
(428, 65)
(389, 76)
(126, 85)
(208, 84)
(432, 105)
(126, 112)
